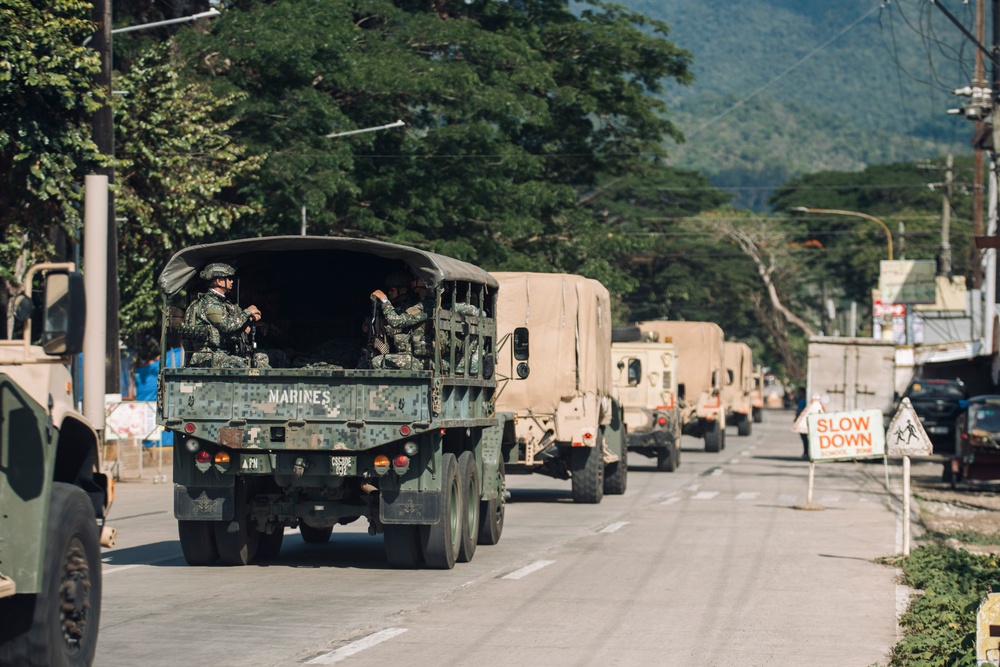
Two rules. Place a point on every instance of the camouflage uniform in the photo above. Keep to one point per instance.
(466, 309)
(409, 329)
(224, 322)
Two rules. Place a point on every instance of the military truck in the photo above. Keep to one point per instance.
(568, 424)
(53, 497)
(700, 372)
(738, 389)
(321, 437)
(645, 379)
(757, 395)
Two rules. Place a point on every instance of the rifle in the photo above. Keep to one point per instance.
(376, 333)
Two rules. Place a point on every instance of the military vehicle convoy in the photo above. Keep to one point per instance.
(645, 378)
(700, 372)
(53, 497)
(757, 395)
(321, 437)
(738, 390)
(568, 424)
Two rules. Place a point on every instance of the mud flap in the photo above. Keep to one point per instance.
(203, 504)
(411, 507)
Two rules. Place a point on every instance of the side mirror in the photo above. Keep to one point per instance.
(64, 315)
(521, 344)
(522, 370)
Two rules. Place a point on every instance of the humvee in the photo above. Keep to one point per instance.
(738, 391)
(568, 423)
(53, 497)
(646, 384)
(700, 371)
(321, 437)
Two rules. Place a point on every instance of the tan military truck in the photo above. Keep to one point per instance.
(567, 423)
(738, 389)
(53, 497)
(645, 378)
(757, 395)
(700, 372)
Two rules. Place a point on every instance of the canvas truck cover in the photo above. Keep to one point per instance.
(699, 353)
(569, 319)
(429, 266)
(739, 359)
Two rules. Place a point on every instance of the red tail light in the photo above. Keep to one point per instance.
(203, 457)
(662, 421)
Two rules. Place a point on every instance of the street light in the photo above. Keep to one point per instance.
(854, 214)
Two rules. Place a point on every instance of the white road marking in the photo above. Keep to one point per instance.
(112, 570)
(356, 647)
(610, 528)
(705, 495)
(734, 461)
(746, 452)
(717, 472)
(670, 501)
(692, 487)
(528, 569)
(747, 495)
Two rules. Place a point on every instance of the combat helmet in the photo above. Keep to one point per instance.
(217, 270)
(398, 279)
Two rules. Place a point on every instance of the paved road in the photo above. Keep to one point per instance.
(709, 565)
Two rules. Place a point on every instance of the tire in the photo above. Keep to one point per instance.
(471, 492)
(588, 475)
(269, 546)
(313, 535)
(440, 541)
(65, 616)
(713, 437)
(745, 427)
(616, 475)
(722, 437)
(492, 511)
(402, 545)
(625, 333)
(198, 542)
(758, 415)
(666, 459)
(237, 540)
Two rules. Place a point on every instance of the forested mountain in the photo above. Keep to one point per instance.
(783, 87)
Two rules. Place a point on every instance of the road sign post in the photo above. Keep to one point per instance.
(906, 437)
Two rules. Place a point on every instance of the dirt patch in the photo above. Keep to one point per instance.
(967, 517)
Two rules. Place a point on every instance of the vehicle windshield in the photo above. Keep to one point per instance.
(935, 390)
(986, 418)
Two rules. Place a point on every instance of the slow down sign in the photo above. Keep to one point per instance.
(857, 434)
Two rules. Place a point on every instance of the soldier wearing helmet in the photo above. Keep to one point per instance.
(224, 321)
(406, 311)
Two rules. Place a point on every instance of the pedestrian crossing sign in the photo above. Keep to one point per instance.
(906, 435)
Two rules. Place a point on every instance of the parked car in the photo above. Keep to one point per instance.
(978, 453)
(939, 404)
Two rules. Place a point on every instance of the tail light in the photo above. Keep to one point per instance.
(662, 421)
(401, 464)
(203, 457)
(222, 457)
(381, 464)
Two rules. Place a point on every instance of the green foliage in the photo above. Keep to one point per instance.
(47, 95)
(175, 158)
(940, 624)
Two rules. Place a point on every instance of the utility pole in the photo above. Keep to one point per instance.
(979, 80)
(104, 137)
(944, 257)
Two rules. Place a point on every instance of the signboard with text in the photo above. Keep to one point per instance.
(855, 434)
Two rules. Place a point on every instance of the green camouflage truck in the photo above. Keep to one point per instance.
(568, 423)
(321, 438)
(53, 497)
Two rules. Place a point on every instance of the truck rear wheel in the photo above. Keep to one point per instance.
(469, 472)
(745, 427)
(758, 415)
(588, 475)
(65, 615)
(198, 542)
(313, 535)
(666, 459)
(237, 539)
(491, 512)
(440, 541)
(713, 437)
(402, 545)
(269, 545)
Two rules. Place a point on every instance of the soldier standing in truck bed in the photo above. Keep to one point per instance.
(224, 322)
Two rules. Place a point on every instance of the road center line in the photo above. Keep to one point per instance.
(704, 495)
(746, 495)
(528, 569)
(692, 487)
(610, 528)
(356, 647)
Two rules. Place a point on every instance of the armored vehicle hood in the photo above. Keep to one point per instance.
(429, 266)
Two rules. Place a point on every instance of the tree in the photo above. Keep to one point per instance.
(47, 95)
